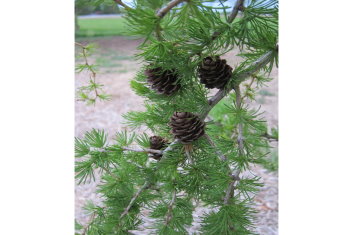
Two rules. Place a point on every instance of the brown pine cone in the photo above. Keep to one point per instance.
(158, 143)
(163, 82)
(214, 73)
(186, 127)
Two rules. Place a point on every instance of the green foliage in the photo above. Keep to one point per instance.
(238, 134)
(181, 216)
(230, 219)
(93, 91)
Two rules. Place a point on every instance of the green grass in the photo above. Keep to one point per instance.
(102, 27)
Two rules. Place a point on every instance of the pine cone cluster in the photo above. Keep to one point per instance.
(186, 127)
(158, 143)
(214, 73)
(164, 82)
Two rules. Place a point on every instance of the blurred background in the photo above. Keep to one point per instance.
(103, 25)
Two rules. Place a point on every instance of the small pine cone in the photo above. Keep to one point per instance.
(158, 143)
(164, 82)
(214, 73)
(186, 127)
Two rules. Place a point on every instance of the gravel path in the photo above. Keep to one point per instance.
(108, 116)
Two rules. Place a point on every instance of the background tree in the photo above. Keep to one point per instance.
(202, 141)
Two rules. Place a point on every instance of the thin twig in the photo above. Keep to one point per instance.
(170, 209)
(122, 4)
(162, 12)
(239, 126)
(143, 150)
(255, 66)
(222, 157)
(239, 6)
(170, 146)
(91, 218)
(146, 185)
(248, 87)
(93, 74)
(110, 173)
(270, 137)
(79, 44)
(231, 187)
(234, 175)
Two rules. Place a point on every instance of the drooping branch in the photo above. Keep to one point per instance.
(231, 187)
(169, 215)
(162, 12)
(147, 183)
(240, 140)
(92, 75)
(145, 186)
(233, 174)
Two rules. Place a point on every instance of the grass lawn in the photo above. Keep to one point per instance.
(101, 27)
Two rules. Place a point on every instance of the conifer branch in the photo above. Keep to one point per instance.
(120, 2)
(143, 150)
(170, 146)
(170, 209)
(89, 67)
(240, 139)
(234, 175)
(255, 66)
(93, 87)
(162, 12)
(92, 217)
(110, 173)
(239, 6)
(213, 101)
(145, 186)
(158, 32)
(222, 157)
(252, 68)
(231, 187)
